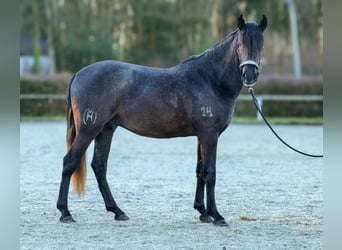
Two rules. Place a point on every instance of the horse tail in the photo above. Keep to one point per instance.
(79, 175)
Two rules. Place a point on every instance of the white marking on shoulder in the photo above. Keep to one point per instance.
(206, 111)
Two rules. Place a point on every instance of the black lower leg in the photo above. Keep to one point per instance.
(211, 204)
(199, 197)
(99, 165)
(110, 202)
(208, 149)
(106, 193)
(62, 202)
(199, 204)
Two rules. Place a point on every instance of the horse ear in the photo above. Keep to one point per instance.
(240, 22)
(263, 23)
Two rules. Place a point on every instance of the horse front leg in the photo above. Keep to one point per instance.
(199, 198)
(208, 154)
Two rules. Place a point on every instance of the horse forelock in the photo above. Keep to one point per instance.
(252, 29)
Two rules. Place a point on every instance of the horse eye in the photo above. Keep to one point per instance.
(238, 48)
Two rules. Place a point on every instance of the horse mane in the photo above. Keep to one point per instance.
(212, 48)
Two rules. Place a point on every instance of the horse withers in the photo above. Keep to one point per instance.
(194, 98)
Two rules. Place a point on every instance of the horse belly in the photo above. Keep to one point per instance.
(157, 121)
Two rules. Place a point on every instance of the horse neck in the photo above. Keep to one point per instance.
(221, 64)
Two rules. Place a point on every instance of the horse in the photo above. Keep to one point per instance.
(194, 98)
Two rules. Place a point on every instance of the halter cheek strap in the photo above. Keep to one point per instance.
(249, 62)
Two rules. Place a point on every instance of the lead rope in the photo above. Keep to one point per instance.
(251, 91)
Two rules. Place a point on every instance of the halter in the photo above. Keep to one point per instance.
(249, 62)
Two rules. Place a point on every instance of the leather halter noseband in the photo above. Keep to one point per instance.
(249, 62)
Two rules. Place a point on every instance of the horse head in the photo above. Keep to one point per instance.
(250, 47)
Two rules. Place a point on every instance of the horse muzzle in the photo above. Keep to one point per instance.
(249, 73)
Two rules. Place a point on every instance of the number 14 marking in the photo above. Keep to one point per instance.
(206, 111)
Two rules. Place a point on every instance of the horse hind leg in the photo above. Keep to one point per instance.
(99, 166)
(71, 161)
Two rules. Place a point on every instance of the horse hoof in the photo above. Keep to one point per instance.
(205, 219)
(121, 217)
(221, 223)
(67, 219)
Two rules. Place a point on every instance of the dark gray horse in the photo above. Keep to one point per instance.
(194, 98)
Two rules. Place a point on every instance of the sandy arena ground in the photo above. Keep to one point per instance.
(279, 192)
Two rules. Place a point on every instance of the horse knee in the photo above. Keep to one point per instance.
(199, 175)
(200, 171)
(210, 178)
(199, 166)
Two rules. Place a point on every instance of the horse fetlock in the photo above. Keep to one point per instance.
(119, 214)
(66, 216)
(199, 207)
(61, 206)
(218, 219)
